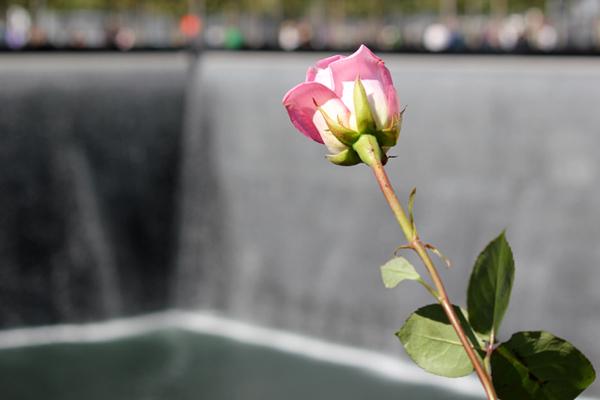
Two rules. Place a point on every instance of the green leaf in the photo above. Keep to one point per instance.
(364, 116)
(432, 343)
(490, 286)
(540, 366)
(396, 270)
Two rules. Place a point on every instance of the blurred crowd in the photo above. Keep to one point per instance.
(572, 27)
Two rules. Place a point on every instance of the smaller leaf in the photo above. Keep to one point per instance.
(397, 270)
(540, 366)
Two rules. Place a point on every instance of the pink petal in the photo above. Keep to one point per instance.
(362, 63)
(311, 73)
(393, 104)
(320, 73)
(389, 89)
(324, 63)
(300, 105)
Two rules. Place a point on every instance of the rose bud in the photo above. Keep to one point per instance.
(344, 98)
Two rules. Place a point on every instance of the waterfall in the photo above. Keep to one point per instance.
(94, 231)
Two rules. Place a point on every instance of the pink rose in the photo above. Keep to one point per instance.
(330, 109)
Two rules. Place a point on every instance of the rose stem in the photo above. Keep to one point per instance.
(417, 245)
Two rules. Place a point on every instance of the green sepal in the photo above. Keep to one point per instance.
(345, 135)
(388, 137)
(362, 109)
(368, 150)
(345, 158)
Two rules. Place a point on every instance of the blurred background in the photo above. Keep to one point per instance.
(165, 233)
(464, 26)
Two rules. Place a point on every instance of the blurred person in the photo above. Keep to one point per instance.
(125, 39)
(539, 33)
(305, 33)
(190, 25)
(39, 39)
(289, 36)
(118, 37)
(111, 30)
(412, 33)
(597, 33)
(491, 35)
(474, 28)
(546, 38)
(214, 37)
(2, 32)
(457, 40)
(77, 40)
(320, 37)
(234, 38)
(511, 35)
(254, 37)
(437, 37)
(389, 38)
(18, 25)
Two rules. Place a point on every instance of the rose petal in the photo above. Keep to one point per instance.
(362, 63)
(390, 91)
(321, 73)
(324, 62)
(378, 100)
(393, 103)
(375, 77)
(300, 105)
(337, 111)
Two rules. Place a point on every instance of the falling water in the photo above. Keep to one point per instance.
(94, 230)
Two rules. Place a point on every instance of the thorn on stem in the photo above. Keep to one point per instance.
(438, 253)
(407, 246)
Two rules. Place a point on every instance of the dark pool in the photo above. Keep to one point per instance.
(177, 364)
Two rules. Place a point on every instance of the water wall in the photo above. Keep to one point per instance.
(89, 160)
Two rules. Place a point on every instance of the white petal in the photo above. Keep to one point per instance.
(377, 101)
(324, 77)
(335, 109)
